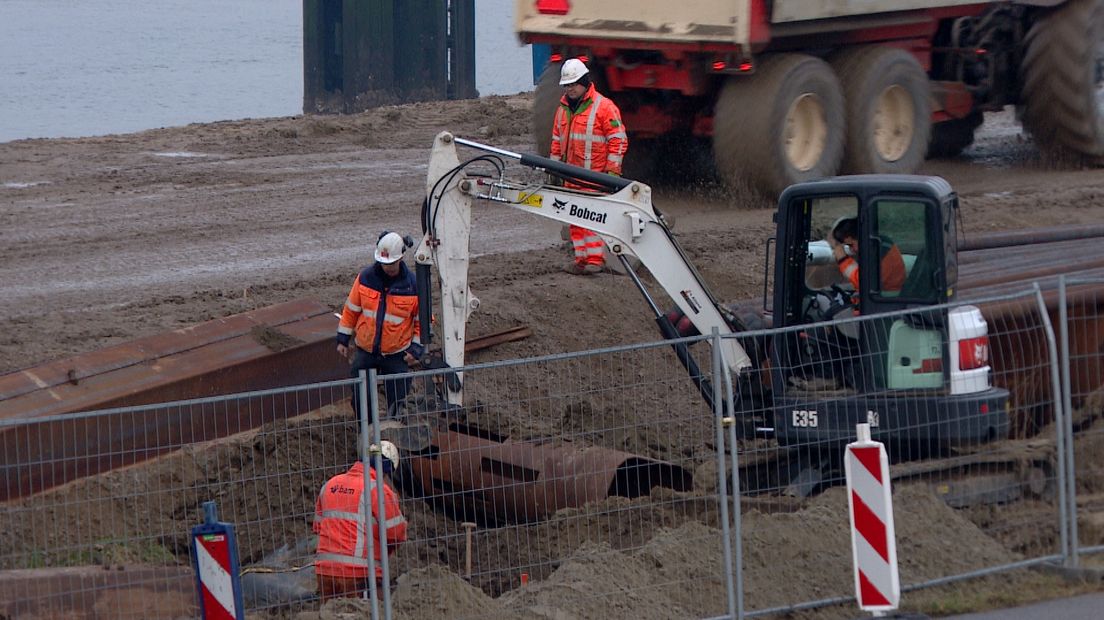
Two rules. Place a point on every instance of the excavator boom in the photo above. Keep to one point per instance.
(620, 211)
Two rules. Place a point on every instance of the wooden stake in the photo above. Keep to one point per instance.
(468, 526)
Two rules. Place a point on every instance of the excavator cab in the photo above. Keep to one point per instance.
(904, 374)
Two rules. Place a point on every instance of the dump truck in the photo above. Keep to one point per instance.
(775, 92)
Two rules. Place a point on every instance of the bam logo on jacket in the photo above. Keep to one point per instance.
(587, 214)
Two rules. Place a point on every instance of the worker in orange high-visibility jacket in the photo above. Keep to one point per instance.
(587, 131)
(342, 513)
(844, 241)
(382, 313)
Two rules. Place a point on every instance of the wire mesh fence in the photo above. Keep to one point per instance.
(593, 481)
(118, 542)
(566, 481)
(967, 413)
(1082, 341)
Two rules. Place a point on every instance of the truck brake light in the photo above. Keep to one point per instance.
(973, 353)
(553, 7)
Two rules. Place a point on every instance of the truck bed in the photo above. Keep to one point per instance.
(720, 22)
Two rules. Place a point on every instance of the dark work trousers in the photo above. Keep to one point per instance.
(394, 389)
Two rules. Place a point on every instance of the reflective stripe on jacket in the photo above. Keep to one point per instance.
(341, 513)
(378, 312)
(593, 136)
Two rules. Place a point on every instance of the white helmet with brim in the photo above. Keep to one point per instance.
(390, 248)
(572, 71)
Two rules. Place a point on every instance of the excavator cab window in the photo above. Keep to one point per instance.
(811, 290)
(895, 246)
(899, 233)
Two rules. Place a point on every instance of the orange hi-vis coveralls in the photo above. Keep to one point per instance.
(591, 136)
(341, 515)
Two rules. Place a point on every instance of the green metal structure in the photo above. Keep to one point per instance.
(359, 54)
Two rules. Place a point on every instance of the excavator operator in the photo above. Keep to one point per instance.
(845, 248)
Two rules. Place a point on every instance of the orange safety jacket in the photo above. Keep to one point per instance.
(382, 313)
(593, 136)
(892, 269)
(341, 513)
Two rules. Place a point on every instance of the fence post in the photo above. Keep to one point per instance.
(719, 421)
(737, 519)
(215, 561)
(1059, 424)
(365, 496)
(1067, 405)
(380, 519)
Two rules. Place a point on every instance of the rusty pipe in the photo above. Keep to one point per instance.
(1029, 275)
(1030, 236)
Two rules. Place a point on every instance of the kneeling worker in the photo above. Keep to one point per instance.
(341, 515)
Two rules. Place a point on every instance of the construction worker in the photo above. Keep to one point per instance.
(587, 131)
(382, 312)
(845, 248)
(341, 515)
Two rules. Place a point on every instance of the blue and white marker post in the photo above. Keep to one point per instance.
(215, 560)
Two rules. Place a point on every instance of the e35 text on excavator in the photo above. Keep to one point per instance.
(915, 377)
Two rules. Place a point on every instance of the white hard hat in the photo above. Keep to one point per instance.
(390, 248)
(571, 71)
(391, 453)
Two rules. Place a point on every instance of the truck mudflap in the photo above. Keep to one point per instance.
(925, 423)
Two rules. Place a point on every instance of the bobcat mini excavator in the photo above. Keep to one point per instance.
(915, 367)
(920, 377)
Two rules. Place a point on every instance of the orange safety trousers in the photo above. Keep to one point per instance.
(588, 246)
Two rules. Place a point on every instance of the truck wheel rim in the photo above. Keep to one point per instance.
(806, 132)
(893, 123)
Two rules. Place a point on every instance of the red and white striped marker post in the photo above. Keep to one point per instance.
(873, 542)
(215, 560)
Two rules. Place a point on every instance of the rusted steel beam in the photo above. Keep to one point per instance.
(218, 357)
(511, 334)
(276, 346)
(480, 475)
(1021, 362)
(287, 344)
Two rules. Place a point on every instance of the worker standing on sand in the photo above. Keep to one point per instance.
(382, 312)
(340, 520)
(587, 131)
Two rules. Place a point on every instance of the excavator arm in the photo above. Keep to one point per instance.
(620, 211)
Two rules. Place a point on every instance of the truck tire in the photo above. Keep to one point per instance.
(950, 138)
(1063, 108)
(780, 126)
(546, 98)
(888, 110)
